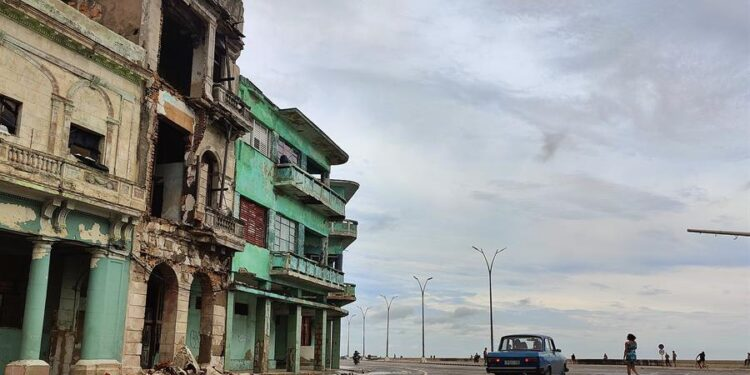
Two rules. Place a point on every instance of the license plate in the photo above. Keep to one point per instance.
(512, 362)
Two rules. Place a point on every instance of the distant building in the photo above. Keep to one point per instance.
(288, 288)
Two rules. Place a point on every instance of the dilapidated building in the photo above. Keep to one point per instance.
(287, 287)
(117, 135)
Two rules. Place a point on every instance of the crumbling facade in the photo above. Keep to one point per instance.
(155, 203)
(287, 288)
(119, 121)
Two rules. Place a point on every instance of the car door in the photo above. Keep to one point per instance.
(556, 357)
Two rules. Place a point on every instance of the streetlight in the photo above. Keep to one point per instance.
(349, 332)
(422, 287)
(489, 271)
(387, 321)
(364, 320)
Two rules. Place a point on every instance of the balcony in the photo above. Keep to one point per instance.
(70, 179)
(348, 295)
(295, 182)
(222, 229)
(231, 103)
(342, 233)
(297, 269)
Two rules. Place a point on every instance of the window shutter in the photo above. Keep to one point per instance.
(254, 216)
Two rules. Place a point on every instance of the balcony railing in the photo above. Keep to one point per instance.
(303, 269)
(294, 181)
(343, 228)
(349, 293)
(60, 176)
(233, 104)
(227, 223)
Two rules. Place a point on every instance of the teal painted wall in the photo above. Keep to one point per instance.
(266, 112)
(10, 346)
(242, 345)
(255, 260)
(254, 180)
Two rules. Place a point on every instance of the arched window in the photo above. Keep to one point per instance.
(210, 181)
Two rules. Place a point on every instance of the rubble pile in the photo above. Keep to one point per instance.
(184, 363)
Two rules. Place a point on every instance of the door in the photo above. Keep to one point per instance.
(152, 322)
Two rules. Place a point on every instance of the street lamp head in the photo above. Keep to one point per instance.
(477, 249)
(429, 278)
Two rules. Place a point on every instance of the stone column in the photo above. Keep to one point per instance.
(321, 341)
(262, 334)
(336, 344)
(104, 313)
(33, 314)
(293, 336)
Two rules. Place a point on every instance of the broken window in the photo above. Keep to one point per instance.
(210, 180)
(254, 216)
(85, 145)
(9, 111)
(169, 170)
(257, 138)
(241, 309)
(220, 72)
(287, 153)
(285, 232)
(181, 34)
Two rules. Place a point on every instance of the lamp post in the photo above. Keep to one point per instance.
(422, 287)
(489, 271)
(348, 332)
(364, 320)
(387, 321)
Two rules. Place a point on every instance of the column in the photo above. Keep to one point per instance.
(321, 321)
(336, 344)
(103, 325)
(293, 336)
(33, 314)
(262, 334)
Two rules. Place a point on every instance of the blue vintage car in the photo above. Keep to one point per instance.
(526, 354)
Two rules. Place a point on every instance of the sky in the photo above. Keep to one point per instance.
(584, 137)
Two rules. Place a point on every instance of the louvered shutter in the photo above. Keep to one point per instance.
(254, 216)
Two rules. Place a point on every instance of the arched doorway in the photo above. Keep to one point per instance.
(160, 317)
(210, 181)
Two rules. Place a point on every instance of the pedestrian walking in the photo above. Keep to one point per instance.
(700, 360)
(629, 354)
(666, 360)
(573, 357)
(484, 355)
(674, 358)
(747, 360)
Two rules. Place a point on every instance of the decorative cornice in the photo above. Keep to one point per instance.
(50, 33)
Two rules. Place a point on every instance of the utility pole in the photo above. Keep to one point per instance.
(387, 322)
(348, 332)
(422, 287)
(364, 320)
(489, 272)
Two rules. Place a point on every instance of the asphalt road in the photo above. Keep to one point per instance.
(413, 368)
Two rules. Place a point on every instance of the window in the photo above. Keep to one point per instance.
(254, 216)
(9, 110)
(258, 138)
(240, 309)
(285, 231)
(84, 144)
(521, 343)
(306, 339)
(285, 150)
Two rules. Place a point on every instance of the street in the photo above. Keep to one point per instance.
(415, 368)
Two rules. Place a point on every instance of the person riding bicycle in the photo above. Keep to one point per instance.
(356, 357)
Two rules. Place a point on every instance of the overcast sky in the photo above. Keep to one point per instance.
(583, 136)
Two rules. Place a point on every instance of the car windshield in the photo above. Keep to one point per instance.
(518, 343)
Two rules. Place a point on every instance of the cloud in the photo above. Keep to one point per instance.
(584, 136)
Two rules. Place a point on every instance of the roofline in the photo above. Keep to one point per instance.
(335, 156)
